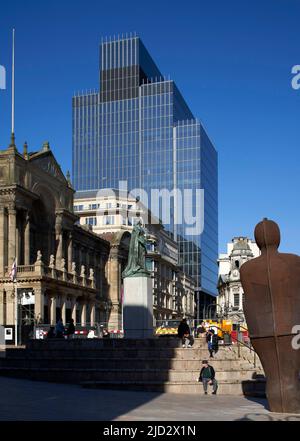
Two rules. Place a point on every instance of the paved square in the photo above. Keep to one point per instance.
(24, 400)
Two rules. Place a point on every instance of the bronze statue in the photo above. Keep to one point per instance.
(271, 283)
(136, 266)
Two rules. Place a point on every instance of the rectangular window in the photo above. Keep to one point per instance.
(91, 221)
(108, 220)
(150, 265)
(94, 206)
(236, 300)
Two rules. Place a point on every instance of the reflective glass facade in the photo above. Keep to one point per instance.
(139, 128)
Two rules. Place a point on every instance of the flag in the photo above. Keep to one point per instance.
(13, 271)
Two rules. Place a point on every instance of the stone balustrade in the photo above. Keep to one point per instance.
(40, 269)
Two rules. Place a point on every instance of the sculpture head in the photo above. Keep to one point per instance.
(267, 234)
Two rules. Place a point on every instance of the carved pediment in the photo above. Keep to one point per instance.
(48, 164)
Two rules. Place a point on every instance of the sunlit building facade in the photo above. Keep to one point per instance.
(139, 129)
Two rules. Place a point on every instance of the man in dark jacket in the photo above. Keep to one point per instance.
(212, 342)
(207, 376)
(184, 333)
(71, 329)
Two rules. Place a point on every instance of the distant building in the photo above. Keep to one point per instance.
(231, 295)
(138, 128)
(112, 214)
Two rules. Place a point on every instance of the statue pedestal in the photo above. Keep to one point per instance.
(138, 307)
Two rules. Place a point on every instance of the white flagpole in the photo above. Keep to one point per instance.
(13, 85)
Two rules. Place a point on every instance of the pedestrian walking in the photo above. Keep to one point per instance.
(207, 377)
(106, 334)
(71, 329)
(51, 332)
(91, 334)
(184, 333)
(59, 329)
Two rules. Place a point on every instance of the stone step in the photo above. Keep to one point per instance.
(155, 343)
(87, 378)
(224, 387)
(176, 353)
(75, 375)
(255, 387)
(170, 342)
(124, 363)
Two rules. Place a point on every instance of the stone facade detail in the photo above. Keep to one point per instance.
(39, 229)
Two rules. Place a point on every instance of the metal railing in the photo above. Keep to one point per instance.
(240, 344)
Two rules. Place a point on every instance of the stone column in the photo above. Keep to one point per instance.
(73, 310)
(63, 308)
(100, 273)
(12, 215)
(39, 304)
(93, 314)
(18, 245)
(87, 264)
(2, 306)
(114, 285)
(59, 239)
(70, 252)
(2, 240)
(27, 240)
(83, 314)
(52, 310)
(10, 307)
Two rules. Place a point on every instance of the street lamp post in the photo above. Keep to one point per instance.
(16, 311)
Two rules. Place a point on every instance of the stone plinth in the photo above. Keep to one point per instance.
(138, 307)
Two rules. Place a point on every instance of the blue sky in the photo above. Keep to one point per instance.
(231, 60)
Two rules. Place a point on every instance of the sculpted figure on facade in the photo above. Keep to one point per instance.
(63, 264)
(52, 261)
(39, 256)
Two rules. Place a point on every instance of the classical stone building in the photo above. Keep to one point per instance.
(60, 265)
(231, 295)
(112, 214)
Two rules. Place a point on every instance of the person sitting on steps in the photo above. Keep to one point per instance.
(207, 377)
(184, 333)
(212, 342)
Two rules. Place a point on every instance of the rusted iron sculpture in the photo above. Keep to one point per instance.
(271, 283)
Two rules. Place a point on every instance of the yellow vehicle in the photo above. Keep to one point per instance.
(167, 327)
(221, 326)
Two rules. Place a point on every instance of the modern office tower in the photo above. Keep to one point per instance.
(138, 128)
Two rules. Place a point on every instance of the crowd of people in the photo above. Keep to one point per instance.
(68, 332)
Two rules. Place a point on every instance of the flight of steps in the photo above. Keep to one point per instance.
(159, 365)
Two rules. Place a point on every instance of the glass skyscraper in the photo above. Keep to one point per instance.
(138, 128)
